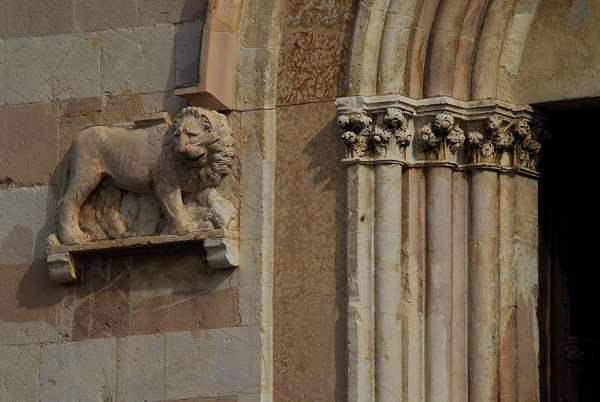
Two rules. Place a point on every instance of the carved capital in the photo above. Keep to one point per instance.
(504, 142)
(442, 137)
(482, 134)
(372, 136)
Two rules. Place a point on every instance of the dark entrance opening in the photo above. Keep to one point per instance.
(569, 269)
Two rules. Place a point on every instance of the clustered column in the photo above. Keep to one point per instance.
(442, 250)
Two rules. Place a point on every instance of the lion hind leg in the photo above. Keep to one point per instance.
(81, 185)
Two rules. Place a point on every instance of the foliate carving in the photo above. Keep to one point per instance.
(496, 138)
(357, 129)
(395, 122)
(442, 131)
(528, 149)
(504, 142)
(364, 138)
(154, 178)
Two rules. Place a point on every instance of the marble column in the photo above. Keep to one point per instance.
(442, 249)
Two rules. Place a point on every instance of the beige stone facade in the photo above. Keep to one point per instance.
(385, 189)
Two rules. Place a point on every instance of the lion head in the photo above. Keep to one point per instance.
(204, 142)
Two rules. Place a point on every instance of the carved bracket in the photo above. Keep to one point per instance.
(221, 248)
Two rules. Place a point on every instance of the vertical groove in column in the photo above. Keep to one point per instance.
(438, 313)
(388, 282)
(413, 273)
(483, 287)
(360, 284)
(460, 375)
(507, 331)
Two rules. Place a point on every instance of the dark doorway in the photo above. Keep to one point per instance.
(569, 271)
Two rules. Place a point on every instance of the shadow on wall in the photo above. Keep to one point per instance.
(114, 107)
(326, 152)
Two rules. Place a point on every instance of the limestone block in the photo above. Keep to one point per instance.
(95, 15)
(239, 357)
(190, 364)
(25, 333)
(19, 373)
(35, 18)
(32, 128)
(28, 217)
(140, 368)
(138, 59)
(54, 67)
(87, 371)
(188, 37)
(1, 72)
(212, 362)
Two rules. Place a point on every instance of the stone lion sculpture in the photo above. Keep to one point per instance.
(191, 155)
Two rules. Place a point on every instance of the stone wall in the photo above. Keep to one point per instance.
(154, 326)
(309, 340)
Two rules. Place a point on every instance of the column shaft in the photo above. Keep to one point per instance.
(483, 287)
(438, 316)
(388, 282)
(361, 357)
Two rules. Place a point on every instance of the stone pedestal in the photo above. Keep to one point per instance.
(442, 249)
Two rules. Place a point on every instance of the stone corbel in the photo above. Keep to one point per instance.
(221, 248)
(218, 58)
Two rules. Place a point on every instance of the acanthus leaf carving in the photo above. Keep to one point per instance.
(442, 133)
(489, 146)
(528, 148)
(395, 122)
(356, 133)
(364, 138)
(505, 143)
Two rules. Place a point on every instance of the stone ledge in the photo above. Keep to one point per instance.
(221, 247)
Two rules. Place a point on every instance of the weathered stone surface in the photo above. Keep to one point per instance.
(19, 378)
(120, 109)
(153, 292)
(212, 362)
(309, 333)
(188, 38)
(54, 67)
(95, 15)
(1, 71)
(311, 67)
(88, 370)
(138, 59)
(32, 128)
(140, 368)
(35, 18)
(31, 304)
(28, 217)
(319, 15)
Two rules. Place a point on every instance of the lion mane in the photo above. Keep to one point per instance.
(220, 146)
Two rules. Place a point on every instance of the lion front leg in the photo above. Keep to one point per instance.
(173, 208)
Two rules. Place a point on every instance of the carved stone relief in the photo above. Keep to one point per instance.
(504, 142)
(381, 128)
(441, 137)
(152, 178)
(370, 137)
